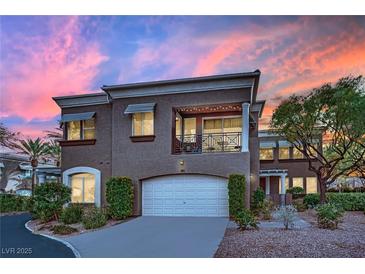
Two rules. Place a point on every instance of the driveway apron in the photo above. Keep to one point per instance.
(154, 237)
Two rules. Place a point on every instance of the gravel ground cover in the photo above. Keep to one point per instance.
(346, 241)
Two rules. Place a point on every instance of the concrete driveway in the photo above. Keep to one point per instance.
(154, 237)
(17, 242)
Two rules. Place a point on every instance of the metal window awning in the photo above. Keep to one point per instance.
(137, 108)
(285, 144)
(267, 144)
(77, 116)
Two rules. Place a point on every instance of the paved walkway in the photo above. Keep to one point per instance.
(18, 242)
(154, 237)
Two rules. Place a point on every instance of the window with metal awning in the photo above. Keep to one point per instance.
(142, 118)
(79, 126)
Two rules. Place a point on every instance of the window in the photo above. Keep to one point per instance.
(266, 154)
(81, 130)
(283, 153)
(143, 124)
(311, 184)
(298, 181)
(312, 150)
(286, 184)
(83, 188)
(74, 130)
(189, 126)
(223, 125)
(297, 154)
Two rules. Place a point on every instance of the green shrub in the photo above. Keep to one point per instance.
(348, 201)
(71, 214)
(296, 191)
(329, 215)
(267, 207)
(93, 218)
(14, 203)
(246, 219)
(311, 200)
(299, 206)
(63, 229)
(236, 193)
(49, 199)
(258, 198)
(119, 195)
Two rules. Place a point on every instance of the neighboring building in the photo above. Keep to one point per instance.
(282, 166)
(16, 172)
(178, 140)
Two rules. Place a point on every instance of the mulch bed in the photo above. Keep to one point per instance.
(45, 228)
(346, 241)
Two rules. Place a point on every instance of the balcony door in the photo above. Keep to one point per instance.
(222, 134)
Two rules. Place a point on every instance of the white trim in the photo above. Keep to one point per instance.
(67, 174)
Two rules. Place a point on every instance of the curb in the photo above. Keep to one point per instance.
(70, 246)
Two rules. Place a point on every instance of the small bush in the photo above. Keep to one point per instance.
(311, 200)
(236, 193)
(119, 195)
(299, 205)
(296, 191)
(14, 203)
(258, 198)
(63, 229)
(49, 199)
(245, 219)
(93, 218)
(266, 209)
(329, 215)
(286, 214)
(71, 214)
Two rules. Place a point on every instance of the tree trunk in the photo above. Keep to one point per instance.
(322, 190)
(33, 180)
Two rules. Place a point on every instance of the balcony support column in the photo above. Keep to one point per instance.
(245, 126)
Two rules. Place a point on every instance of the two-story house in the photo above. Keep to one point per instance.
(178, 140)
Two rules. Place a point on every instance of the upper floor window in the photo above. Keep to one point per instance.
(143, 124)
(297, 154)
(283, 153)
(222, 125)
(81, 130)
(266, 154)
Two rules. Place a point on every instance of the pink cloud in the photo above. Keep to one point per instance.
(40, 67)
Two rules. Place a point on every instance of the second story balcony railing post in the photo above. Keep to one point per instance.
(208, 143)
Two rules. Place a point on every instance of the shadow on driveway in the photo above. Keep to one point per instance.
(17, 242)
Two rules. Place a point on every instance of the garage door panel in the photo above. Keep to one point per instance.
(185, 195)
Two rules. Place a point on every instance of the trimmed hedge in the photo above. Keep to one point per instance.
(14, 203)
(119, 195)
(347, 201)
(236, 193)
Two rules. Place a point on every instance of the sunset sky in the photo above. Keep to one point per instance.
(50, 56)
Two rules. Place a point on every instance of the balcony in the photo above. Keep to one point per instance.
(208, 143)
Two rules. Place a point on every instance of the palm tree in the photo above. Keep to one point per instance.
(54, 151)
(35, 149)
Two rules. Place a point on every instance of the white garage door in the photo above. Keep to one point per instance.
(185, 195)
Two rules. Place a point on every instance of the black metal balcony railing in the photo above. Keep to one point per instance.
(208, 143)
